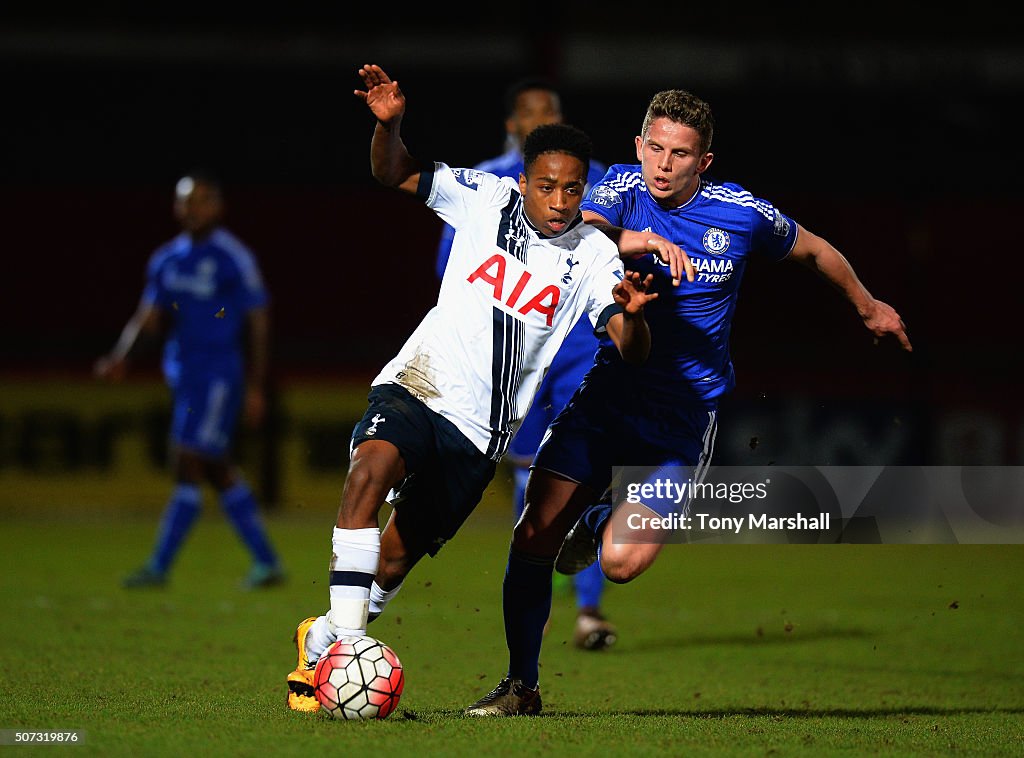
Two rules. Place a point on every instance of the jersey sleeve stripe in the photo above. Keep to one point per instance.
(602, 320)
(426, 182)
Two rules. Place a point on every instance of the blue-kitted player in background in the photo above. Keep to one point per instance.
(530, 103)
(205, 292)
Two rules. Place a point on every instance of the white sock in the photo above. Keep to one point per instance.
(318, 639)
(379, 599)
(353, 566)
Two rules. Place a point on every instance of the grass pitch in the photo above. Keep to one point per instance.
(743, 650)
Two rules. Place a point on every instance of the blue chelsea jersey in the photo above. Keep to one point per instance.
(207, 289)
(719, 228)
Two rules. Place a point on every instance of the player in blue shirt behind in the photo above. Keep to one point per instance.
(204, 290)
(530, 103)
(661, 413)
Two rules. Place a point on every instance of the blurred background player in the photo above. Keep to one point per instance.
(204, 294)
(530, 103)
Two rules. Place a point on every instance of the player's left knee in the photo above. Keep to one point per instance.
(622, 565)
(616, 570)
(619, 574)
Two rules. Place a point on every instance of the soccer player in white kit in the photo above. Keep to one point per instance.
(523, 269)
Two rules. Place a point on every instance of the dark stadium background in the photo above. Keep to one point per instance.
(893, 133)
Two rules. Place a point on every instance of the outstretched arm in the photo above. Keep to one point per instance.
(141, 331)
(629, 330)
(390, 161)
(818, 255)
(632, 243)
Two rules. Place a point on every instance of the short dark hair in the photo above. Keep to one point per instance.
(526, 84)
(557, 138)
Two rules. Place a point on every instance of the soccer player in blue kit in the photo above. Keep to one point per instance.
(662, 412)
(205, 290)
(530, 103)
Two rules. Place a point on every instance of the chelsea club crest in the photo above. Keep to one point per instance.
(716, 241)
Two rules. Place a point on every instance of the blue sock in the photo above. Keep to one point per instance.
(526, 599)
(240, 506)
(179, 515)
(589, 584)
(595, 517)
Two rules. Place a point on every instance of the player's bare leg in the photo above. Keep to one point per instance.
(626, 552)
(375, 468)
(399, 552)
(553, 504)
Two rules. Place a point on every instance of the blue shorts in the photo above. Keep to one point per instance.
(205, 414)
(445, 473)
(607, 425)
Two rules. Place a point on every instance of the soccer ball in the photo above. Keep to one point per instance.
(358, 678)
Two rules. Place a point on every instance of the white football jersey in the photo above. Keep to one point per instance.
(508, 298)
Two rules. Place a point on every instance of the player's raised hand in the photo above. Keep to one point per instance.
(382, 96)
(633, 293)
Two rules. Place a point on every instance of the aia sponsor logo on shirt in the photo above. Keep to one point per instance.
(514, 289)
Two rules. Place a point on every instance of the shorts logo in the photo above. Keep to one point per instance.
(716, 241)
(605, 195)
(377, 419)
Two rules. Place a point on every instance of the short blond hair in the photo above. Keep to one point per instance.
(684, 108)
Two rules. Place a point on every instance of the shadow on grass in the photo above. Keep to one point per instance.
(444, 714)
(795, 713)
(754, 637)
